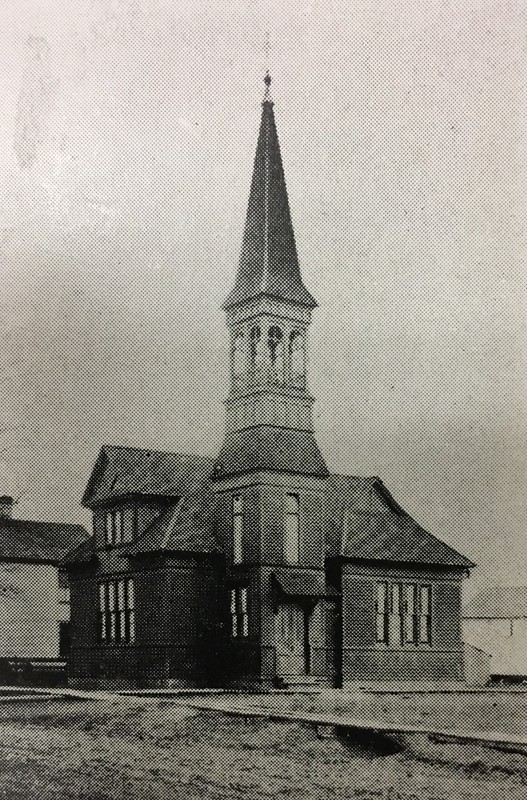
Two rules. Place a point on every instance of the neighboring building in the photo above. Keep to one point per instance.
(258, 566)
(34, 595)
(496, 622)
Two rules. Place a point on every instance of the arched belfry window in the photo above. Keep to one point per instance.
(238, 357)
(276, 354)
(255, 351)
(297, 358)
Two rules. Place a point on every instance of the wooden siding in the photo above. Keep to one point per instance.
(29, 610)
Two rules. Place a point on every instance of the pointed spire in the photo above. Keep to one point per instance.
(268, 262)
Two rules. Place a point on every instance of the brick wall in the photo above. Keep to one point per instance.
(365, 659)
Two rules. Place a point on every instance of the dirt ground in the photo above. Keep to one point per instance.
(153, 749)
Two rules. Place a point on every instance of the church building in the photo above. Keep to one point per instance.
(258, 567)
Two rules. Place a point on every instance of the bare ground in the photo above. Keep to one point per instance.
(133, 748)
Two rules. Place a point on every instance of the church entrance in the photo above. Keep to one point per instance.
(292, 640)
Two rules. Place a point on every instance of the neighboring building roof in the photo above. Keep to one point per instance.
(270, 448)
(268, 261)
(43, 542)
(81, 554)
(498, 602)
(362, 520)
(122, 471)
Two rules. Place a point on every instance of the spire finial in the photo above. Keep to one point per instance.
(267, 93)
(267, 79)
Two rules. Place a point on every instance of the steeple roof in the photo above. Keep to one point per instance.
(269, 261)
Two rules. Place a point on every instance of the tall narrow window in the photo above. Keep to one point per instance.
(297, 359)
(276, 354)
(255, 352)
(292, 529)
(129, 631)
(396, 615)
(116, 611)
(239, 614)
(238, 358)
(114, 527)
(381, 607)
(237, 526)
(424, 614)
(102, 611)
(410, 612)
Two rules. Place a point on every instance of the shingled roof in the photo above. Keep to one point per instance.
(498, 602)
(268, 261)
(362, 520)
(266, 447)
(123, 471)
(38, 542)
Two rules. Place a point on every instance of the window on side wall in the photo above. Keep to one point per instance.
(381, 607)
(292, 529)
(117, 611)
(120, 525)
(239, 614)
(425, 605)
(237, 527)
(410, 613)
(396, 634)
(114, 526)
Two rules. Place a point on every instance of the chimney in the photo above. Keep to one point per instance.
(6, 506)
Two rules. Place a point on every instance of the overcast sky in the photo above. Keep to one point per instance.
(127, 134)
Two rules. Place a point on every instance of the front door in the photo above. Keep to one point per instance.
(290, 638)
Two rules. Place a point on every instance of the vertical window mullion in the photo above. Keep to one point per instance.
(381, 609)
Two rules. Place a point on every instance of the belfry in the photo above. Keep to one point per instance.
(258, 567)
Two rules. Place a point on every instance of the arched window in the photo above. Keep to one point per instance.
(276, 354)
(238, 356)
(255, 351)
(297, 358)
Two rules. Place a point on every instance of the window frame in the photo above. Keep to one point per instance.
(425, 617)
(120, 525)
(381, 612)
(404, 621)
(239, 613)
(116, 611)
(292, 516)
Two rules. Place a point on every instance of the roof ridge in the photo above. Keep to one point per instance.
(176, 510)
(16, 521)
(154, 450)
(359, 477)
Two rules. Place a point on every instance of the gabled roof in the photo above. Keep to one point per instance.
(187, 526)
(43, 542)
(123, 471)
(268, 261)
(498, 602)
(364, 522)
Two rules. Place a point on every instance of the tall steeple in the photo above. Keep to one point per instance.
(269, 408)
(269, 262)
